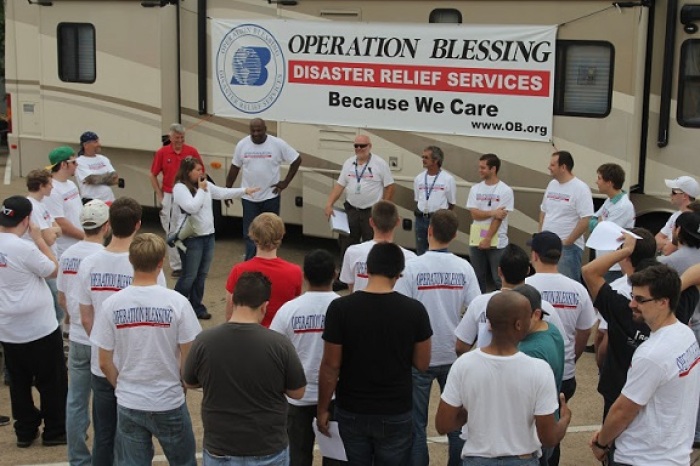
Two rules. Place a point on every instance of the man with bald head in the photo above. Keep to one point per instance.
(366, 178)
(260, 155)
(506, 399)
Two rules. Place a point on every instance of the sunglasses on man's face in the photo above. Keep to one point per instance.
(360, 146)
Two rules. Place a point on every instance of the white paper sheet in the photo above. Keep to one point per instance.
(331, 447)
(606, 236)
(339, 222)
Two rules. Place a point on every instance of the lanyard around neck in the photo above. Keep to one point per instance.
(429, 190)
(358, 176)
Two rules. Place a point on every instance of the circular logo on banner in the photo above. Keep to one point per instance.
(250, 68)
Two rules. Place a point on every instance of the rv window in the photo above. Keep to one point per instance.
(583, 78)
(689, 85)
(446, 15)
(76, 52)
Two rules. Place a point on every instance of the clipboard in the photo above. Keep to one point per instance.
(478, 232)
(339, 222)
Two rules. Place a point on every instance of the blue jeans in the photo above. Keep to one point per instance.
(172, 428)
(421, 230)
(54, 293)
(500, 461)
(77, 415)
(374, 439)
(104, 418)
(195, 267)
(485, 263)
(570, 262)
(422, 382)
(276, 459)
(250, 211)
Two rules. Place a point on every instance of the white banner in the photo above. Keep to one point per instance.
(492, 81)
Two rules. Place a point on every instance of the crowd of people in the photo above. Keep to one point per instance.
(501, 334)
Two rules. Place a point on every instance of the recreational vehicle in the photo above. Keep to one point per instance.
(608, 81)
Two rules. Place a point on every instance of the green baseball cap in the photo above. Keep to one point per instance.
(58, 155)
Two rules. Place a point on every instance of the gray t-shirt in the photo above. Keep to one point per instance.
(244, 370)
(681, 259)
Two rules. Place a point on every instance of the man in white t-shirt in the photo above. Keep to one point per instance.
(151, 328)
(384, 220)
(473, 329)
(684, 190)
(365, 178)
(29, 333)
(94, 219)
(569, 298)
(489, 203)
(433, 189)
(260, 156)
(653, 420)
(64, 203)
(566, 210)
(446, 285)
(39, 185)
(506, 399)
(100, 276)
(617, 208)
(302, 320)
(95, 173)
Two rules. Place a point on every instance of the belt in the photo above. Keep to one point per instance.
(418, 213)
(349, 206)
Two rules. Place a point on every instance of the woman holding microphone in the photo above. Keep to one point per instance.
(193, 194)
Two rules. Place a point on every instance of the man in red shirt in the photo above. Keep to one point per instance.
(167, 161)
(267, 231)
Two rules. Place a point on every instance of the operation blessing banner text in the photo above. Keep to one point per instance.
(492, 81)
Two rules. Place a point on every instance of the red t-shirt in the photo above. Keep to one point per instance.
(168, 162)
(286, 281)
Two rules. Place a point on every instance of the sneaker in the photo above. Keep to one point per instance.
(176, 273)
(56, 441)
(4, 420)
(26, 443)
(204, 316)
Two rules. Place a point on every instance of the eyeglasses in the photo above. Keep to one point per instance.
(360, 146)
(641, 299)
(676, 191)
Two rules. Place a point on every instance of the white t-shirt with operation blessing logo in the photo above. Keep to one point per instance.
(573, 304)
(145, 325)
(664, 379)
(354, 271)
(564, 204)
(260, 164)
(97, 165)
(373, 179)
(100, 276)
(67, 282)
(446, 284)
(303, 320)
(485, 197)
(436, 192)
(65, 202)
(26, 305)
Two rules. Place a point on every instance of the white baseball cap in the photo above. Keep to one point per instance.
(687, 184)
(94, 214)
